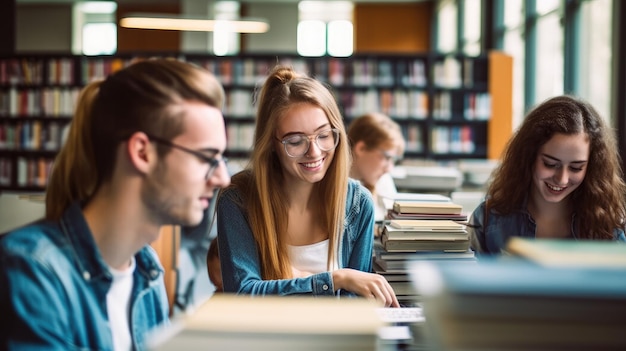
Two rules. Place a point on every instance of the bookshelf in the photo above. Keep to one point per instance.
(449, 106)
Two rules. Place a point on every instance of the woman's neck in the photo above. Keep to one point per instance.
(552, 219)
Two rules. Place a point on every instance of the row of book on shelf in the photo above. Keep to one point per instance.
(48, 101)
(443, 139)
(31, 172)
(397, 103)
(31, 71)
(419, 227)
(335, 71)
(448, 72)
(453, 139)
(240, 136)
(32, 135)
(476, 106)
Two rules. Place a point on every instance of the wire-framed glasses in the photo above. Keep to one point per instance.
(393, 159)
(213, 162)
(298, 145)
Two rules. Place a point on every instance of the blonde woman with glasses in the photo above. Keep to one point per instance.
(293, 223)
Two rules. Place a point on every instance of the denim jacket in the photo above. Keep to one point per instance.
(493, 238)
(53, 286)
(241, 269)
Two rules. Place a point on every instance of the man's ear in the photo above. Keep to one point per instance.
(359, 148)
(141, 153)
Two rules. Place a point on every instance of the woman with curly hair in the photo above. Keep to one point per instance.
(560, 177)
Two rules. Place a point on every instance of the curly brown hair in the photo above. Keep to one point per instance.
(599, 201)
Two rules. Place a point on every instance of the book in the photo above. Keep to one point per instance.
(447, 245)
(460, 218)
(427, 225)
(389, 199)
(424, 234)
(401, 206)
(497, 303)
(570, 253)
(234, 322)
(401, 265)
(405, 288)
(427, 255)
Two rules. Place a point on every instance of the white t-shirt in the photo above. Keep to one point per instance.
(118, 306)
(311, 258)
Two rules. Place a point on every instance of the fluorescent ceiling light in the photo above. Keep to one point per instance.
(174, 22)
(98, 6)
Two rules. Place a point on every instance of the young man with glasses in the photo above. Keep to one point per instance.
(144, 150)
(377, 145)
(293, 223)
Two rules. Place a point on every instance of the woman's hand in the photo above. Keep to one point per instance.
(369, 285)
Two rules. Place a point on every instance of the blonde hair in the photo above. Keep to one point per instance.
(140, 97)
(261, 185)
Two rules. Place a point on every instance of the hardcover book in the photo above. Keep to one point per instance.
(427, 207)
(570, 253)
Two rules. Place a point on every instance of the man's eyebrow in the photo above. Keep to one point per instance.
(209, 150)
(556, 159)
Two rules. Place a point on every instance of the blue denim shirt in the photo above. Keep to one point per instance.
(53, 286)
(493, 239)
(241, 269)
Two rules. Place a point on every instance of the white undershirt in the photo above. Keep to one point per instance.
(118, 306)
(311, 258)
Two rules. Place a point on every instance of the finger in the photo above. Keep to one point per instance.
(381, 296)
(393, 301)
(389, 294)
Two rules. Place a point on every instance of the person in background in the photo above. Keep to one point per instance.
(377, 144)
(560, 177)
(144, 150)
(292, 222)
(213, 266)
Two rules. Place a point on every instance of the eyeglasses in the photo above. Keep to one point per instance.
(298, 145)
(389, 157)
(213, 162)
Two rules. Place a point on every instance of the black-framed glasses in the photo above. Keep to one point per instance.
(298, 145)
(213, 162)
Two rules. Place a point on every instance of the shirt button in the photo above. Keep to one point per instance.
(154, 273)
(325, 287)
(86, 275)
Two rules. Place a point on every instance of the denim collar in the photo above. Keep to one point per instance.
(524, 210)
(86, 254)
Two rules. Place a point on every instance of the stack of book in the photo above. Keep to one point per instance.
(408, 209)
(415, 235)
(510, 303)
(420, 231)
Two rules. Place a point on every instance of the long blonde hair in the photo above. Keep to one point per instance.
(261, 185)
(139, 97)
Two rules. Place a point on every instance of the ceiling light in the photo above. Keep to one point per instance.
(185, 23)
